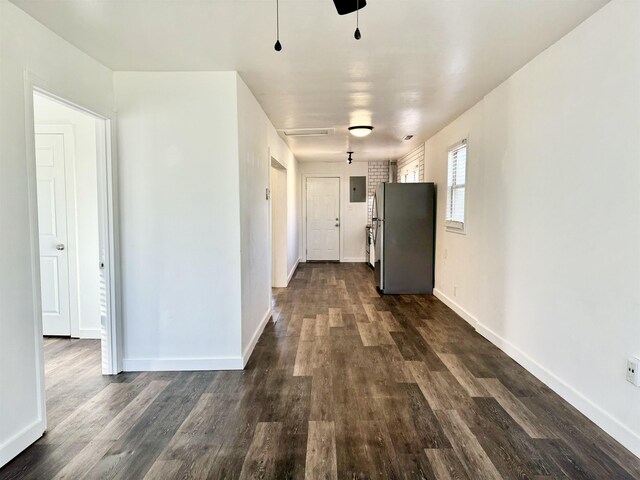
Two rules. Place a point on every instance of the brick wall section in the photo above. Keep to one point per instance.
(378, 172)
(417, 153)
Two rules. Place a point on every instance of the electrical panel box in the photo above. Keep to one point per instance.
(357, 189)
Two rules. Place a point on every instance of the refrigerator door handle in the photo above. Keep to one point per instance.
(382, 260)
(378, 221)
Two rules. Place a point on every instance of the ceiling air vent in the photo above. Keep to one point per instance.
(306, 132)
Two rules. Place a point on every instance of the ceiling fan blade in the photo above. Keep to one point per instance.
(349, 6)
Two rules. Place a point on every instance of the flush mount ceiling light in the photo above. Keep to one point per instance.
(360, 130)
(350, 159)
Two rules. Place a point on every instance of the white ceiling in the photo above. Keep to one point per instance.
(419, 64)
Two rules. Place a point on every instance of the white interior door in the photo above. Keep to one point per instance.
(52, 225)
(323, 218)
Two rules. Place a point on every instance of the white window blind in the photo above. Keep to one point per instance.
(456, 186)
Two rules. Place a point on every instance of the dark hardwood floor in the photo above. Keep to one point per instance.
(346, 384)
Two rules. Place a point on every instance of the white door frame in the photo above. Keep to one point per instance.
(274, 163)
(306, 176)
(108, 223)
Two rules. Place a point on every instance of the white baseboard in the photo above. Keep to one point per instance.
(596, 414)
(246, 355)
(470, 319)
(16, 444)
(344, 260)
(90, 333)
(293, 270)
(181, 364)
(353, 259)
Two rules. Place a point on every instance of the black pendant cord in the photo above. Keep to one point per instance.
(357, 35)
(278, 45)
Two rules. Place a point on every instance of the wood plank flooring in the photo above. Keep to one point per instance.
(345, 385)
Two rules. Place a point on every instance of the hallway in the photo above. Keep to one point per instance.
(346, 384)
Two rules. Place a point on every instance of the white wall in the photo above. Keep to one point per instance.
(293, 216)
(179, 194)
(85, 193)
(254, 162)
(194, 168)
(353, 216)
(26, 44)
(180, 214)
(257, 143)
(278, 201)
(549, 268)
(280, 151)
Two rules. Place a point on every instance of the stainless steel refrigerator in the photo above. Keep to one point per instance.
(404, 237)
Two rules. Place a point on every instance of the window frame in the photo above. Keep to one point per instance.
(451, 225)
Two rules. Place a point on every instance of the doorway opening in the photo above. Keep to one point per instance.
(278, 231)
(73, 228)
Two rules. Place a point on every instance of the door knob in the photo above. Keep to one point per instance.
(60, 246)
(337, 224)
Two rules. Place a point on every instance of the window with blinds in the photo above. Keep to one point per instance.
(456, 186)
